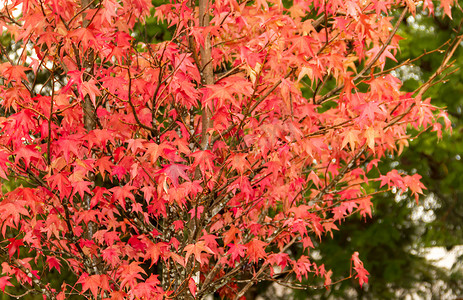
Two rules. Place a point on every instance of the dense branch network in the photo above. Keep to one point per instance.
(200, 164)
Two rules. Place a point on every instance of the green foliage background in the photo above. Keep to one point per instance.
(390, 243)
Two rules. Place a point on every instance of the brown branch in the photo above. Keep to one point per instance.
(338, 177)
(230, 72)
(443, 66)
(51, 116)
(407, 61)
(207, 71)
(251, 283)
(132, 106)
(371, 63)
(258, 101)
(8, 16)
(423, 88)
(85, 4)
(42, 288)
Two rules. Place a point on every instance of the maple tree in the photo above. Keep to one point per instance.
(182, 168)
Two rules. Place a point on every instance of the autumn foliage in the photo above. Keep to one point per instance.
(202, 164)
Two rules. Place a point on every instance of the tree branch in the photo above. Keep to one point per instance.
(371, 63)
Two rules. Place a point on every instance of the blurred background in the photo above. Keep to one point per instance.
(411, 251)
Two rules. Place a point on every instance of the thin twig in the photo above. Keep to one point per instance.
(371, 63)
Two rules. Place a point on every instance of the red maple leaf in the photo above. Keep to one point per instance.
(16, 73)
(174, 171)
(28, 153)
(53, 263)
(256, 250)
(197, 251)
(237, 251)
(130, 273)
(362, 274)
(14, 245)
(205, 160)
(121, 193)
(94, 283)
(81, 187)
(4, 282)
(104, 165)
(156, 250)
